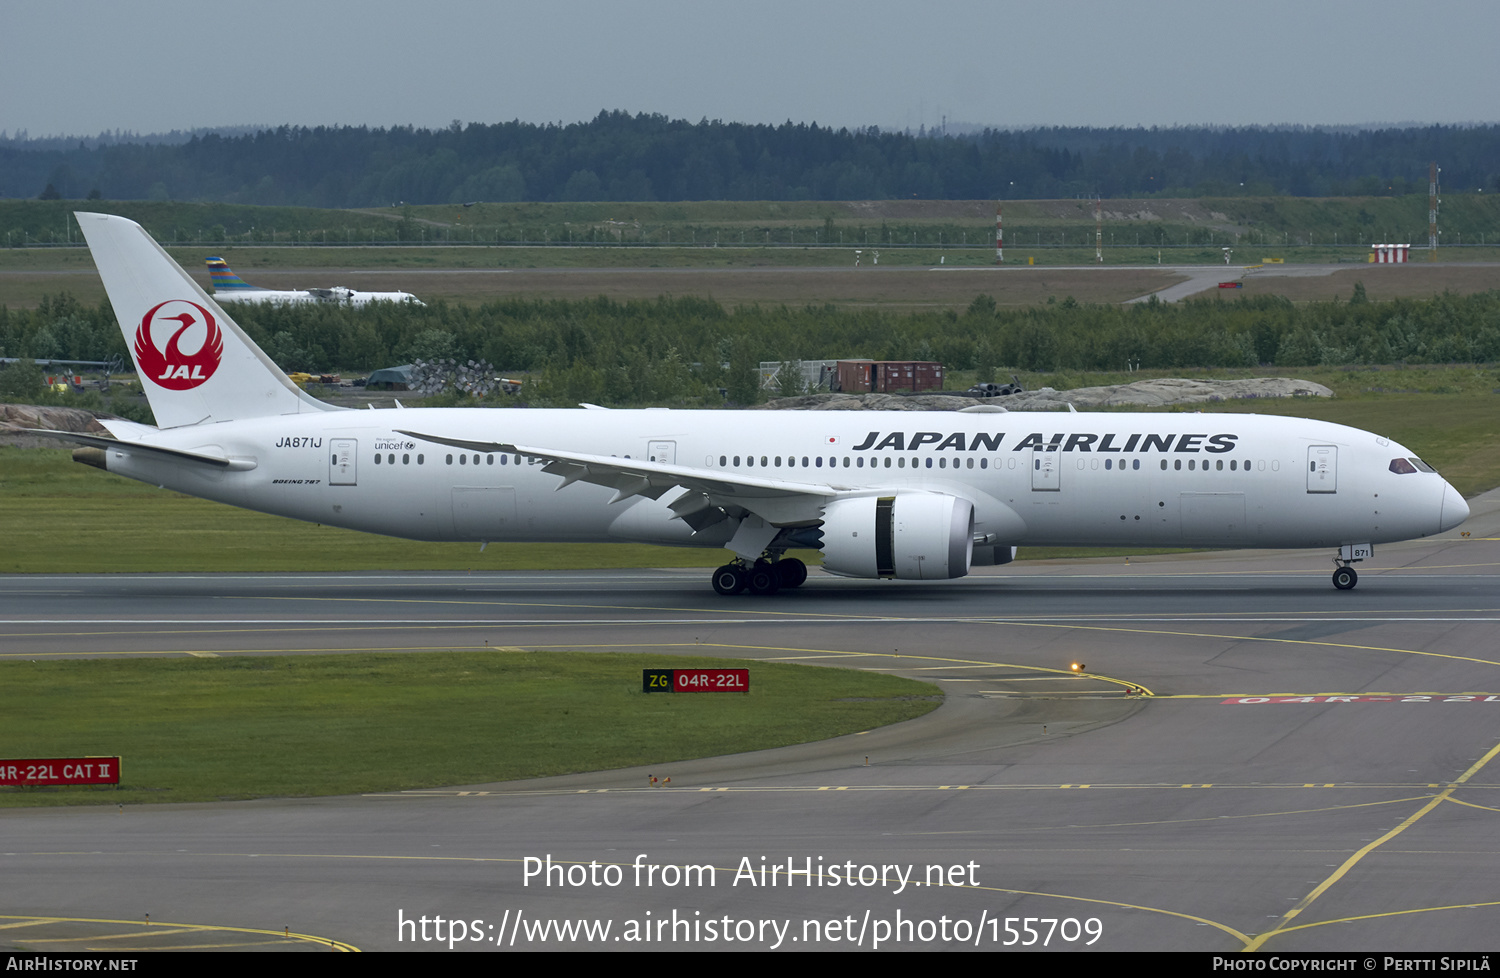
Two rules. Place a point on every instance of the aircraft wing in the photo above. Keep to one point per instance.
(780, 502)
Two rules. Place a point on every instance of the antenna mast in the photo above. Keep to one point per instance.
(999, 237)
(1432, 209)
(1098, 230)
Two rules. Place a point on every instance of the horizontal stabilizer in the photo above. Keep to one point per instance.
(139, 448)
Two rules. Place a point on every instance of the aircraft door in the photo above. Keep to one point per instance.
(664, 452)
(1322, 468)
(341, 461)
(1046, 469)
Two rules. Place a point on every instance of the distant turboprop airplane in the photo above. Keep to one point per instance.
(229, 287)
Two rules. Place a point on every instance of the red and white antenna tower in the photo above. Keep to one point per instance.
(999, 238)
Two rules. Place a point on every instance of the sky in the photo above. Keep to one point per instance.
(157, 65)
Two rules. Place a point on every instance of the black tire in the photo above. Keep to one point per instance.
(1345, 578)
(790, 572)
(762, 579)
(729, 580)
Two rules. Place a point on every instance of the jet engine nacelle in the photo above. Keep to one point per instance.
(914, 536)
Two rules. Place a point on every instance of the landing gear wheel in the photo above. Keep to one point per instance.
(1344, 578)
(729, 580)
(790, 572)
(762, 579)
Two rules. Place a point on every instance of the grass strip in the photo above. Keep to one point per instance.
(293, 726)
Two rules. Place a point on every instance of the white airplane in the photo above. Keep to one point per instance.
(229, 287)
(883, 495)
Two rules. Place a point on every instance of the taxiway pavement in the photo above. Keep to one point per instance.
(1252, 759)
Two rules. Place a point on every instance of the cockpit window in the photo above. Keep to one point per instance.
(1401, 466)
(1421, 465)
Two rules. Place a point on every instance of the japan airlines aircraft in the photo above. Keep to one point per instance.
(883, 495)
(229, 287)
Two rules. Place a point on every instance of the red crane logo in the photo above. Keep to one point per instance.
(168, 365)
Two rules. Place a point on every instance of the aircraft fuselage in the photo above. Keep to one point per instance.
(1035, 479)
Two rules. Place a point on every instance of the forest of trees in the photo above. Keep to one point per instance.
(617, 156)
(682, 351)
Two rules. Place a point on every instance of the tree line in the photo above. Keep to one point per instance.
(692, 351)
(621, 157)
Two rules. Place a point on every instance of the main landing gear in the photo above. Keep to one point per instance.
(762, 577)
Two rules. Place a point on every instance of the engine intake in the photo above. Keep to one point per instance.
(913, 536)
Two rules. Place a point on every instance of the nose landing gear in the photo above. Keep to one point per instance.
(1344, 577)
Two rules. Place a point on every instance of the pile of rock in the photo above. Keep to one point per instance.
(13, 416)
(1144, 393)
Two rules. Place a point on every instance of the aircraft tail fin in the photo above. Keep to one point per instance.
(224, 279)
(197, 366)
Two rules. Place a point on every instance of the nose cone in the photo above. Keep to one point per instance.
(1455, 510)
